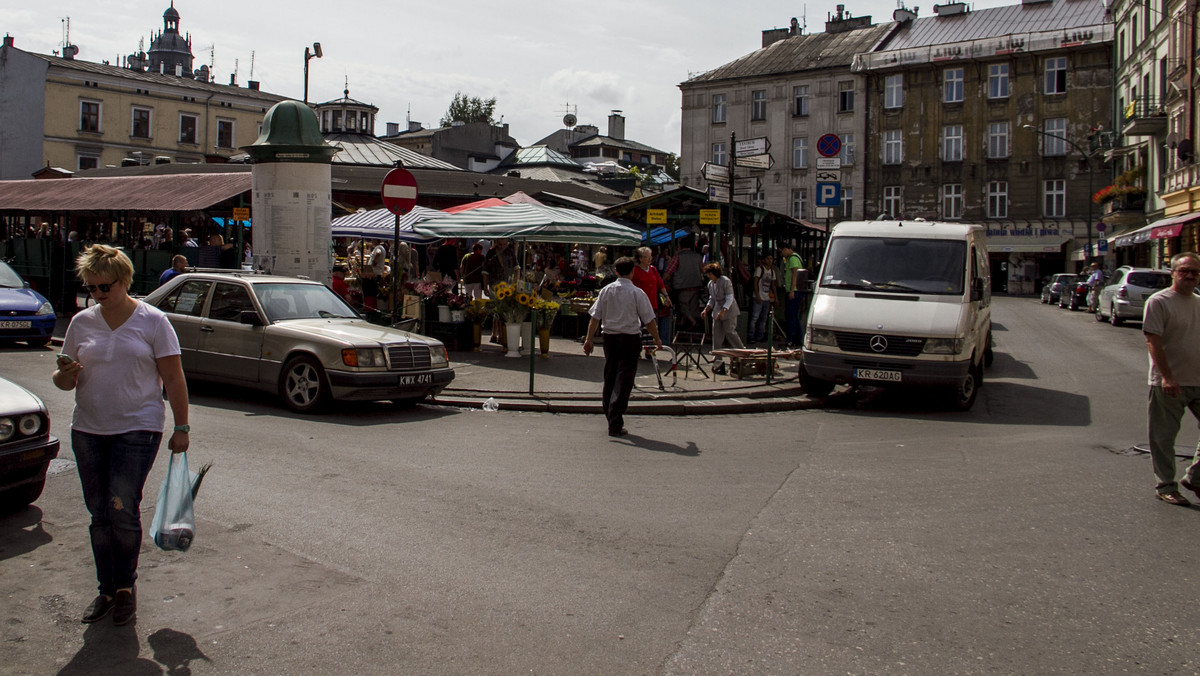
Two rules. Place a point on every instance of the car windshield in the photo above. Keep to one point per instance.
(1149, 280)
(301, 301)
(9, 279)
(894, 265)
(1065, 279)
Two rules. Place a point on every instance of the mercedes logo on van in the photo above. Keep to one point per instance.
(878, 343)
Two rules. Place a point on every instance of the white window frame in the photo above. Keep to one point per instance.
(893, 146)
(952, 143)
(232, 133)
(758, 105)
(719, 109)
(81, 156)
(953, 86)
(800, 152)
(99, 115)
(1056, 75)
(1054, 198)
(893, 91)
(952, 201)
(800, 99)
(998, 140)
(998, 81)
(848, 147)
(893, 200)
(846, 96)
(195, 128)
(719, 154)
(758, 200)
(997, 199)
(847, 202)
(1054, 138)
(799, 202)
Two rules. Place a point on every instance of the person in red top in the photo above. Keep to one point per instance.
(646, 278)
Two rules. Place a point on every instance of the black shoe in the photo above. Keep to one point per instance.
(126, 607)
(719, 369)
(1191, 487)
(619, 432)
(99, 609)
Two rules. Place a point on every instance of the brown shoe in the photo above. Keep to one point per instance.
(125, 605)
(99, 609)
(1173, 498)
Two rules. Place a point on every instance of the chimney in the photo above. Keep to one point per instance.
(616, 125)
(179, 70)
(393, 128)
(233, 79)
(413, 125)
(253, 84)
(8, 41)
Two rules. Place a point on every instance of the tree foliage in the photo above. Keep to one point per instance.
(469, 109)
(671, 165)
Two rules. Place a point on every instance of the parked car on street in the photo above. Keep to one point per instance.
(25, 314)
(1074, 295)
(26, 446)
(1123, 298)
(297, 338)
(1053, 288)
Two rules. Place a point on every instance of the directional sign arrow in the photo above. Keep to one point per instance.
(752, 146)
(763, 161)
(715, 172)
(748, 184)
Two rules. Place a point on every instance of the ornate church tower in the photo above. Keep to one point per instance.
(171, 53)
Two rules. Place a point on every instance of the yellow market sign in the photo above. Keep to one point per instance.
(241, 213)
(710, 217)
(656, 217)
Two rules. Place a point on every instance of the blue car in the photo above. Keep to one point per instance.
(25, 314)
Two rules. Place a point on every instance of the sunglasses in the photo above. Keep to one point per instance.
(102, 288)
(1187, 271)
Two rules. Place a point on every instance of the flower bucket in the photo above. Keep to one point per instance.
(443, 313)
(544, 342)
(476, 335)
(513, 332)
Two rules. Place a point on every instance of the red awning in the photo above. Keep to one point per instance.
(1166, 231)
(173, 192)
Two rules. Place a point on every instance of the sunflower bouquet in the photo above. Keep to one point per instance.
(512, 303)
(479, 310)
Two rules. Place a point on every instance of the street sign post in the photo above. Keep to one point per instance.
(747, 184)
(829, 176)
(241, 213)
(399, 191)
(829, 194)
(710, 217)
(718, 192)
(752, 146)
(829, 163)
(764, 161)
(715, 172)
(656, 217)
(829, 145)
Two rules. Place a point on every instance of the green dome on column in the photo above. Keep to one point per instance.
(291, 133)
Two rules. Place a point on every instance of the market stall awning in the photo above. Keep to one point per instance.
(533, 223)
(1163, 228)
(662, 235)
(173, 192)
(469, 206)
(381, 224)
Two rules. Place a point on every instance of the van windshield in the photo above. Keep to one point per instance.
(893, 265)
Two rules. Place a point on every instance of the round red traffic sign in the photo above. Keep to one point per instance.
(399, 191)
(829, 145)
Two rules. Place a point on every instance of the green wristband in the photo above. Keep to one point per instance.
(186, 429)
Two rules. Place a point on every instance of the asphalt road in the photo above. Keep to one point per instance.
(880, 535)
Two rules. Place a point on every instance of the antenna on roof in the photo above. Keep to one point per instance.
(251, 64)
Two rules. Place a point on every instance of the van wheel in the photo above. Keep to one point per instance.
(302, 385)
(1112, 316)
(964, 395)
(814, 386)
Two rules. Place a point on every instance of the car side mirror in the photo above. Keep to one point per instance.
(977, 289)
(250, 318)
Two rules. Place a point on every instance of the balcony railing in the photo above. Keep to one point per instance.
(1187, 176)
(1145, 116)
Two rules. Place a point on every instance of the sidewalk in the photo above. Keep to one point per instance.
(570, 382)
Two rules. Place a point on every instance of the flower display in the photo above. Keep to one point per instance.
(546, 311)
(479, 310)
(511, 303)
(428, 290)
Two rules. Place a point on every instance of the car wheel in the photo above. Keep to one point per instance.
(1098, 314)
(37, 342)
(17, 498)
(814, 386)
(302, 386)
(1045, 299)
(1112, 316)
(964, 394)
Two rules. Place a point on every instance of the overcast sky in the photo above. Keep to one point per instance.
(534, 56)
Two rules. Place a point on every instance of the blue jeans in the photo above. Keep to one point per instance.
(112, 471)
(793, 309)
(757, 329)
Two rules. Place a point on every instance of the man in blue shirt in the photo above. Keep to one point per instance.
(620, 312)
(178, 265)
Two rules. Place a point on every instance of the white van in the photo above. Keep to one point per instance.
(901, 303)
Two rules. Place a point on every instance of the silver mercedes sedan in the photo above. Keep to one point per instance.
(297, 338)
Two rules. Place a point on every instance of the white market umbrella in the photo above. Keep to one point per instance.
(530, 223)
(381, 224)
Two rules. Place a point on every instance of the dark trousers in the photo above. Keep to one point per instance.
(793, 308)
(112, 472)
(621, 352)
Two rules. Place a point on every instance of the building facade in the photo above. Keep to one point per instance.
(969, 119)
(794, 90)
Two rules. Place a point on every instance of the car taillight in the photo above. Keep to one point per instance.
(1122, 293)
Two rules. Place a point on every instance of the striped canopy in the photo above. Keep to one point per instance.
(663, 235)
(381, 224)
(531, 223)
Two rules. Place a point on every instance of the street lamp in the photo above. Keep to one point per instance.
(1090, 174)
(314, 54)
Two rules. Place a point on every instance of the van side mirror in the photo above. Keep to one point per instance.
(250, 318)
(977, 289)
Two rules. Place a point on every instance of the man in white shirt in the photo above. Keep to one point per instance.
(620, 312)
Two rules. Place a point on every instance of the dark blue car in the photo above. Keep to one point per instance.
(25, 314)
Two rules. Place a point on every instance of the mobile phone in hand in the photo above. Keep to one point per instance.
(65, 360)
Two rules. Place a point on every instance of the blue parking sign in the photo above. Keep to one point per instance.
(829, 194)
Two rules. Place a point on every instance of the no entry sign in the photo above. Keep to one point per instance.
(399, 191)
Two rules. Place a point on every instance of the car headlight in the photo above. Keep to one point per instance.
(8, 428)
(820, 337)
(363, 356)
(30, 424)
(438, 356)
(45, 309)
(943, 345)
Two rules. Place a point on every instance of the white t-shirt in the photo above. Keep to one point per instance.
(1176, 319)
(766, 280)
(119, 389)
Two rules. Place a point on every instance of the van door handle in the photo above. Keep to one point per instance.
(206, 329)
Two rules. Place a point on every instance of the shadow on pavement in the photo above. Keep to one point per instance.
(1006, 366)
(252, 402)
(175, 650)
(691, 450)
(999, 403)
(21, 532)
(108, 649)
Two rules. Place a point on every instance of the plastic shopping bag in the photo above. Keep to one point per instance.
(174, 523)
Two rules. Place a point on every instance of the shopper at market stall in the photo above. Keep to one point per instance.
(646, 278)
(724, 309)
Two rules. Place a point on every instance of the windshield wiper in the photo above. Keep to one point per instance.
(860, 284)
(894, 285)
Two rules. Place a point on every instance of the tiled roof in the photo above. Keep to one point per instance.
(368, 150)
(543, 155)
(1052, 15)
(267, 99)
(176, 192)
(611, 142)
(799, 53)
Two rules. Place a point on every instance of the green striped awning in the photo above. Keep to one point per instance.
(530, 223)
